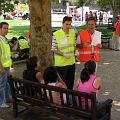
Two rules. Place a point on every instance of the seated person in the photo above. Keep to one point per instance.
(88, 83)
(32, 73)
(14, 47)
(24, 47)
(52, 78)
(13, 44)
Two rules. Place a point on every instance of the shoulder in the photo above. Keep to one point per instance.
(97, 83)
(38, 73)
(82, 31)
(59, 84)
(97, 32)
(58, 31)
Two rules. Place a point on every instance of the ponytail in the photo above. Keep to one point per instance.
(87, 71)
(84, 75)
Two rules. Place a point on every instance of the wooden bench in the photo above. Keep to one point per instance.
(33, 96)
(105, 39)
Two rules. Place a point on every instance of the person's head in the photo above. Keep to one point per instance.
(21, 37)
(32, 63)
(91, 22)
(66, 23)
(14, 39)
(116, 19)
(89, 68)
(50, 75)
(4, 28)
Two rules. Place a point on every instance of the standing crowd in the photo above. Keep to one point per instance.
(64, 45)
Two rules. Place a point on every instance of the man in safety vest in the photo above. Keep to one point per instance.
(63, 46)
(89, 42)
(116, 34)
(24, 47)
(5, 64)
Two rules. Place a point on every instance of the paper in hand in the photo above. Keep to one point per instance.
(96, 38)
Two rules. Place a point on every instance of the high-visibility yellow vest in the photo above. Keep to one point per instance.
(23, 44)
(65, 47)
(5, 56)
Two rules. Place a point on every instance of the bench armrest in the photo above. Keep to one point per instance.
(103, 106)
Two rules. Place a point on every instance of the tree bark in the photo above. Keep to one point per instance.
(40, 32)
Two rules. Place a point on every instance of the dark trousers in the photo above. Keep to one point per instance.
(67, 73)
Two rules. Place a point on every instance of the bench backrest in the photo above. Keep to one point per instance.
(35, 93)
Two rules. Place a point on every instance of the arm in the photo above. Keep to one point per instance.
(61, 81)
(97, 83)
(39, 77)
(78, 43)
(2, 70)
(54, 47)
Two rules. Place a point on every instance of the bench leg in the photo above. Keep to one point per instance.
(15, 109)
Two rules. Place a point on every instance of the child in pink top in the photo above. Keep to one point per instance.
(51, 77)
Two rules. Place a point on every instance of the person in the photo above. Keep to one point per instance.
(95, 16)
(90, 14)
(116, 35)
(32, 73)
(86, 17)
(14, 47)
(63, 46)
(28, 35)
(24, 47)
(88, 83)
(13, 44)
(100, 18)
(5, 64)
(52, 78)
(88, 43)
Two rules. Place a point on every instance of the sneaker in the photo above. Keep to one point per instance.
(4, 106)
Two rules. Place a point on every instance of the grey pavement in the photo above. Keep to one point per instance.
(108, 71)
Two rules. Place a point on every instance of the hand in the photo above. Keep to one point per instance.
(67, 55)
(99, 45)
(86, 44)
(2, 70)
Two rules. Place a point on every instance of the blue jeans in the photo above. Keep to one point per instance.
(5, 93)
(104, 111)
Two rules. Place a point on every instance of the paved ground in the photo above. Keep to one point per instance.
(108, 70)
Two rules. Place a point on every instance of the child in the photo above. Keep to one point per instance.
(88, 83)
(51, 77)
(32, 73)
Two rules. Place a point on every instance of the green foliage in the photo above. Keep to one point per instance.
(7, 5)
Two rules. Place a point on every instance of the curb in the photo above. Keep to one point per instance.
(20, 61)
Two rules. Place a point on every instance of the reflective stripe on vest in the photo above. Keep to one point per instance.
(5, 54)
(67, 47)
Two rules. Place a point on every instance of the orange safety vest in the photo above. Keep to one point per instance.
(89, 52)
(28, 35)
(116, 26)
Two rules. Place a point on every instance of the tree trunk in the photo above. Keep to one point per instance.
(40, 32)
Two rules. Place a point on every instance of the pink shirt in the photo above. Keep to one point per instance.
(56, 95)
(87, 87)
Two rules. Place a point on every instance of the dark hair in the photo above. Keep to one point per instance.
(117, 17)
(3, 23)
(91, 18)
(66, 18)
(31, 63)
(89, 68)
(21, 37)
(50, 75)
(14, 39)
